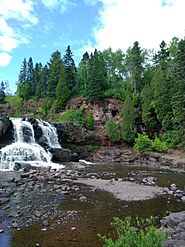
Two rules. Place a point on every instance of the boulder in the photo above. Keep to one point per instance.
(175, 224)
(75, 133)
(63, 155)
(6, 131)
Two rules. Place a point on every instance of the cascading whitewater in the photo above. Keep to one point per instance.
(49, 133)
(25, 149)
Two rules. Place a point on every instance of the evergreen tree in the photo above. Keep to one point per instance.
(128, 120)
(96, 76)
(149, 116)
(134, 62)
(112, 131)
(81, 87)
(178, 100)
(70, 69)
(62, 91)
(30, 78)
(163, 88)
(41, 88)
(54, 72)
(2, 92)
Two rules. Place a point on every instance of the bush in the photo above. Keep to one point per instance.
(145, 235)
(171, 138)
(160, 146)
(143, 143)
(74, 116)
(111, 130)
(90, 121)
(115, 93)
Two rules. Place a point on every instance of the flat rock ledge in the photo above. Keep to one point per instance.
(123, 190)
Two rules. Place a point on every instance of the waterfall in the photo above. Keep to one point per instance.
(49, 133)
(25, 149)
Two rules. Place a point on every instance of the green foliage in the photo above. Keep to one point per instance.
(149, 116)
(112, 131)
(74, 116)
(115, 93)
(128, 120)
(47, 105)
(90, 121)
(2, 93)
(159, 146)
(142, 143)
(171, 138)
(62, 91)
(147, 234)
(16, 103)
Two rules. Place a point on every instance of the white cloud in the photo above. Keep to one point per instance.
(121, 23)
(63, 5)
(18, 9)
(11, 36)
(91, 2)
(5, 59)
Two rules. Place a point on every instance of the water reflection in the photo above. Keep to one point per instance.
(5, 240)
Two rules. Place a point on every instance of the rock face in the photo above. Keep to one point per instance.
(162, 160)
(175, 224)
(63, 155)
(70, 133)
(6, 131)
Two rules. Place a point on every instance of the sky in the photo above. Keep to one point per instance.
(37, 28)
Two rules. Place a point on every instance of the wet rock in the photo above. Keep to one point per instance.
(4, 200)
(45, 223)
(149, 180)
(175, 225)
(174, 243)
(83, 198)
(1, 230)
(173, 187)
(63, 155)
(22, 165)
(183, 198)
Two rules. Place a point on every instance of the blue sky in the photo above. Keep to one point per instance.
(37, 28)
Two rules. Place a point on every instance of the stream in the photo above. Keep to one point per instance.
(75, 217)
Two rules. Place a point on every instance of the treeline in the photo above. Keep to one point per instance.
(152, 84)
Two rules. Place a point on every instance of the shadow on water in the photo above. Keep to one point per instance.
(80, 221)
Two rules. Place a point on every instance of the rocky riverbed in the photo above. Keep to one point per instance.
(50, 201)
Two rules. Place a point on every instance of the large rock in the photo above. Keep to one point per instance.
(175, 224)
(75, 133)
(175, 162)
(6, 131)
(63, 155)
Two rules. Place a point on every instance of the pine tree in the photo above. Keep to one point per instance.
(178, 100)
(81, 87)
(30, 78)
(62, 91)
(41, 88)
(70, 70)
(2, 92)
(54, 72)
(134, 62)
(112, 131)
(96, 76)
(128, 120)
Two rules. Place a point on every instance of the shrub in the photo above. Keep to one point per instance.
(74, 116)
(115, 93)
(145, 235)
(171, 138)
(143, 143)
(160, 146)
(90, 121)
(111, 130)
